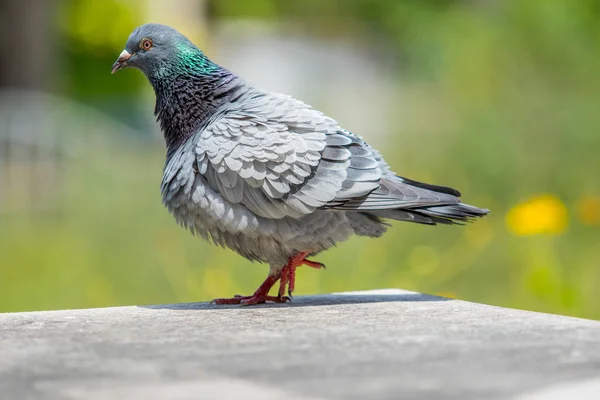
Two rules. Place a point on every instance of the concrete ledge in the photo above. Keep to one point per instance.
(388, 344)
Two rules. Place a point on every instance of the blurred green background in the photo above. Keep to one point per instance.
(499, 99)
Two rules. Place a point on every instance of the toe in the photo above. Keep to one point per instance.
(235, 300)
(314, 264)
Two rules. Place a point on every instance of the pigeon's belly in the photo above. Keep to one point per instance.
(206, 213)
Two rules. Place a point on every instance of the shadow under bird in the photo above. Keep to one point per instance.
(265, 174)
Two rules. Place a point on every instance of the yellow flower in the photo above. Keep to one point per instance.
(588, 209)
(541, 214)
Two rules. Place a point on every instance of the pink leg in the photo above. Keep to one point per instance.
(288, 279)
(288, 273)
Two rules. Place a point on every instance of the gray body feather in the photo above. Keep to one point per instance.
(267, 176)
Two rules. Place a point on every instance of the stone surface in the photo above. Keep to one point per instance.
(387, 344)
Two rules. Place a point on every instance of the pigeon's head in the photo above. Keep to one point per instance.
(159, 50)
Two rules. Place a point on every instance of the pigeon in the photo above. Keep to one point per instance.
(265, 174)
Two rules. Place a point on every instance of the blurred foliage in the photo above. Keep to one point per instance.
(89, 49)
(500, 99)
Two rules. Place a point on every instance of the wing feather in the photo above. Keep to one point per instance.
(275, 155)
(281, 158)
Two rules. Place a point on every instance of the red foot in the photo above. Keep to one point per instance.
(260, 296)
(288, 273)
(288, 278)
(251, 300)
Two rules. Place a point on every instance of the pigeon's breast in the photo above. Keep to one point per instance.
(196, 206)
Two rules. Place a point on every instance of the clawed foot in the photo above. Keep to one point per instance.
(251, 300)
(260, 296)
(288, 273)
(287, 277)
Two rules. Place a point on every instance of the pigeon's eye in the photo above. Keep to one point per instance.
(146, 44)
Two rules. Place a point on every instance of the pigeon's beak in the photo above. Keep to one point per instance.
(121, 61)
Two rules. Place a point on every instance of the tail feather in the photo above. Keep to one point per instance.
(409, 216)
(453, 214)
(403, 199)
(429, 186)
